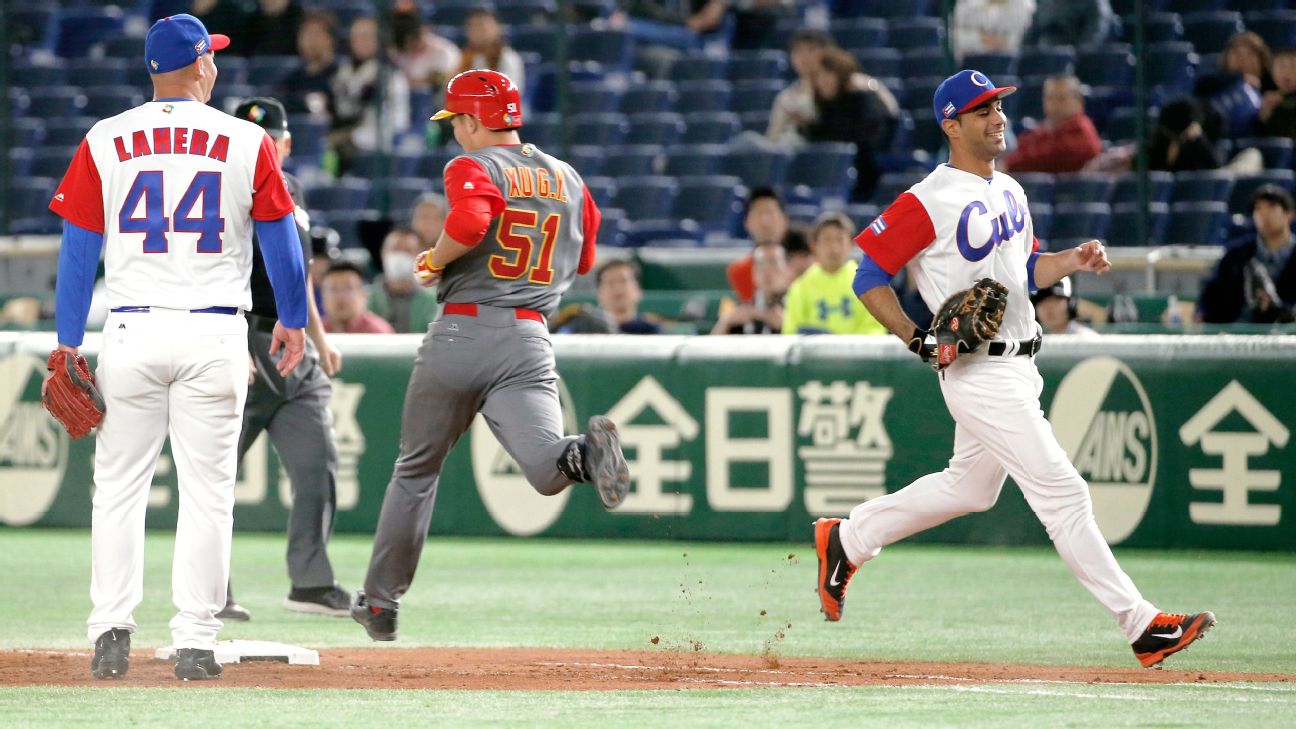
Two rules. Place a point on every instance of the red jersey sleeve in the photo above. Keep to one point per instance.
(466, 178)
(79, 198)
(898, 234)
(591, 218)
(270, 197)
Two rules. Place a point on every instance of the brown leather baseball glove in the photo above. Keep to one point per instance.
(71, 395)
(966, 319)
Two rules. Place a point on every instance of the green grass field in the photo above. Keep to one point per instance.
(1016, 605)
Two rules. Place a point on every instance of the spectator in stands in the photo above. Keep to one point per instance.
(229, 17)
(395, 294)
(272, 28)
(1231, 97)
(485, 47)
(764, 314)
(822, 301)
(309, 89)
(989, 26)
(674, 23)
(1065, 141)
(847, 112)
(1255, 280)
(766, 224)
(427, 59)
(1055, 310)
(345, 308)
(619, 294)
(1178, 143)
(1278, 107)
(427, 218)
(358, 98)
(794, 107)
(1070, 23)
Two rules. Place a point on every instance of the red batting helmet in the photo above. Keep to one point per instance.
(488, 95)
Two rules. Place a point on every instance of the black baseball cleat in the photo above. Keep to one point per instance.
(112, 654)
(196, 664)
(234, 611)
(605, 464)
(333, 600)
(378, 622)
(835, 570)
(1168, 634)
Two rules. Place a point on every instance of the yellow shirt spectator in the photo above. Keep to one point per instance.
(823, 303)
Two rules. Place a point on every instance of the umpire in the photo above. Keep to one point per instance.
(295, 412)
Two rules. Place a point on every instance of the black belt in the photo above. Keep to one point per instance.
(1012, 348)
(208, 310)
(259, 323)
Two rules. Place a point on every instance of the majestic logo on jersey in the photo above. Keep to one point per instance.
(1002, 228)
(59, 197)
(878, 225)
(1102, 417)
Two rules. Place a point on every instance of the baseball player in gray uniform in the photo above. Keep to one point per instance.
(521, 226)
(294, 410)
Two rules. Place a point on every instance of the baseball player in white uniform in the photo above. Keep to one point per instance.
(170, 192)
(966, 221)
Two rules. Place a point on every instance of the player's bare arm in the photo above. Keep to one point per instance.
(882, 303)
(330, 358)
(1088, 256)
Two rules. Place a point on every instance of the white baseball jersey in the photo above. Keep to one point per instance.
(174, 186)
(954, 228)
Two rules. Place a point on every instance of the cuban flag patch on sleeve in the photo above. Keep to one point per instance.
(878, 225)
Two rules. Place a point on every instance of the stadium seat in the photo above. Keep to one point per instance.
(1038, 186)
(612, 230)
(926, 137)
(1203, 186)
(711, 201)
(545, 130)
(346, 193)
(1170, 66)
(37, 75)
(924, 61)
(1042, 222)
(1110, 64)
(918, 93)
(1124, 224)
(914, 33)
(630, 161)
(596, 97)
(994, 65)
(652, 96)
(1196, 223)
(602, 189)
(698, 67)
(663, 233)
(1197, 6)
(268, 71)
(878, 62)
(892, 184)
(659, 128)
(694, 160)
(587, 159)
(400, 194)
(30, 27)
(30, 195)
(859, 33)
(1277, 151)
(27, 133)
(54, 102)
(102, 103)
(1209, 32)
(612, 49)
(1041, 61)
(67, 131)
(1157, 28)
(1079, 221)
(755, 167)
(1255, 6)
(49, 224)
(431, 165)
(1122, 125)
(308, 136)
(710, 127)
(697, 96)
(763, 65)
(526, 12)
(104, 72)
(881, 8)
(1083, 188)
(645, 198)
(754, 121)
(1277, 27)
(540, 40)
(346, 223)
(81, 29)
(826, 168)
(1160, 186)
(755, 96)
(604, 130)
(1245, 187)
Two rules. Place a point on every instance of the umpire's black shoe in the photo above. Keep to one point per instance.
(112, 654)
(378, 622)
(605, 464)
(234, 611)
(196, 664)
(333, 600)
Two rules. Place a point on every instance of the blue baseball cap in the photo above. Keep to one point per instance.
(965, 90)
(177, 41)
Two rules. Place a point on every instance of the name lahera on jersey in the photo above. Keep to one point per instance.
(172, 140)
(535, 182)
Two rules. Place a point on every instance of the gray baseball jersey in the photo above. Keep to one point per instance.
(536, 244)
(490, 352)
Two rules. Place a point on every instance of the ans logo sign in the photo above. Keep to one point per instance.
(1102, 418)
(33, 446)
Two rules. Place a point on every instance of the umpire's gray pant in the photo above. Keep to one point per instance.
(295, 412)
(493, 363)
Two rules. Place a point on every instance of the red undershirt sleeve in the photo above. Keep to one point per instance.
(591, 218)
